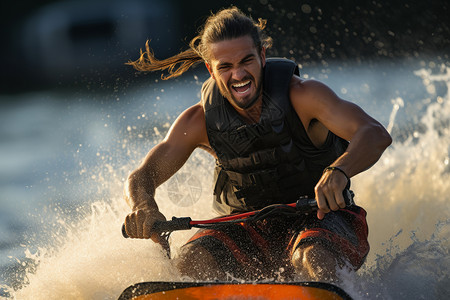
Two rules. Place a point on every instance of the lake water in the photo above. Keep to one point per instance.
(65, 155)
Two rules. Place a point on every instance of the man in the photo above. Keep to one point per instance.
(275, 138)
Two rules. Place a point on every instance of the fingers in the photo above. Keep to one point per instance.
(130, 226)
(147, 228)
(322, 202)
(340, 201)
(139, 223)
(328, 198)
(147, 232)
(320, 214)
(328, 192)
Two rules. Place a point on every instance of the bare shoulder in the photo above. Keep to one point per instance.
(195, 114)
(310, 91)
(311, 99)
(189, 127)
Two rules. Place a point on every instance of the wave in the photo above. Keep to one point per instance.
(406, 195)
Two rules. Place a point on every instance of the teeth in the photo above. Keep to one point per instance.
(241, 84)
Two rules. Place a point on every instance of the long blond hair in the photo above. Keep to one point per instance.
(226, 24)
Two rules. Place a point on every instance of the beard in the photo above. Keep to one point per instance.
(246, 102)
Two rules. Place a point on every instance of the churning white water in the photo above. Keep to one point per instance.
(79, 252)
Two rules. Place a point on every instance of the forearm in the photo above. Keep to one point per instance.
(364, 150)
(160, 164)
(140, 190)
(142, 183)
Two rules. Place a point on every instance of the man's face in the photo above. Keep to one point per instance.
(237, 67)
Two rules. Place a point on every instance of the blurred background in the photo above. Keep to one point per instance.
(74, 120)
(59, 44)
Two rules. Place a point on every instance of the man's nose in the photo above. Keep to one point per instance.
(239, 74)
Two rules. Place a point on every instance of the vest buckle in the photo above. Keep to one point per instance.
(256, 159)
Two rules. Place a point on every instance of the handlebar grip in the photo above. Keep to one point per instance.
(167, 226)
(306, 205)
(124, 232)
(172, 225)
(303, 205)
(348, 197)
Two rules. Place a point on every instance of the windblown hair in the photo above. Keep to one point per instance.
(225, 25)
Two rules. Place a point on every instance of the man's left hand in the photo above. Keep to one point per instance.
(329, 192)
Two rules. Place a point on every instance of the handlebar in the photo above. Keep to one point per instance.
(303, 205)
(175, 224)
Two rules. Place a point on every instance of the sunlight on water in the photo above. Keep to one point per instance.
(95, 262)
(406, 195)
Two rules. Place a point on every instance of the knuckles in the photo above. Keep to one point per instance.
(137, 223)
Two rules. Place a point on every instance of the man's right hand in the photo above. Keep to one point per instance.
(139, 223)
(186, 133)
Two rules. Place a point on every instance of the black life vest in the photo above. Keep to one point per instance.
(272, 161)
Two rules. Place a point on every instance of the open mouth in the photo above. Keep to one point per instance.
(242, 87)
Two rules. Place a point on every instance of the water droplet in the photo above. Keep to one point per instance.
(306, 8)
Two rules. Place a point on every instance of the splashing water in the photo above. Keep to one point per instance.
(93, 260)
(94, 263)
(406, 195)
(408, 191)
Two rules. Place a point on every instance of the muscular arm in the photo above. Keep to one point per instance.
(165, 159)
(312, 101)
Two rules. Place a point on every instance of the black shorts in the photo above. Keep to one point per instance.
(255, 249)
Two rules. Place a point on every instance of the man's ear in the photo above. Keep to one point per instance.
(263, 56)
(210, 70)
